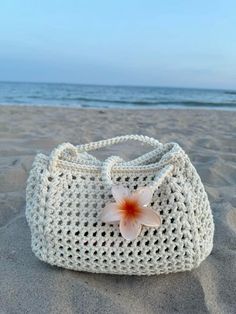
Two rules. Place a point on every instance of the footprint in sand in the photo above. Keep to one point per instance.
(231, 219)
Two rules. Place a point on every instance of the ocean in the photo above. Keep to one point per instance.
(94, 96)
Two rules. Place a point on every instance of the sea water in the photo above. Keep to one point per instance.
(94, 96)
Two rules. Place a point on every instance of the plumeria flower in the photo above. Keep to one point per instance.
(131, 211)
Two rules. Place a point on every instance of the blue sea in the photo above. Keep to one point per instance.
(94, 96)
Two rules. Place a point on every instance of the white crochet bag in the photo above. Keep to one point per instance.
(67, 191)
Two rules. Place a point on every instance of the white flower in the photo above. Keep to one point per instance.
(131, 211)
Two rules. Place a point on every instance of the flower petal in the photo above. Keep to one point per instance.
(119, 192)
(149, 218)
(130, 229)
(110, 213)
(144, 195)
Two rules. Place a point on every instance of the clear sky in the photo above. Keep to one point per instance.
(161, 43)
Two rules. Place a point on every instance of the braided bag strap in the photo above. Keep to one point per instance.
(113, 160)
(119, 139)
(73, 151)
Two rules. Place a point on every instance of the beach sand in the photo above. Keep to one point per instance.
(28, 285)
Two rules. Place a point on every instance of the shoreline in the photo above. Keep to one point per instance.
(191, 108)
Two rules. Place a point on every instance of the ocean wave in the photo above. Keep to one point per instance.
(230, 92)
(128, 102)
(115, 97)
(151, 103)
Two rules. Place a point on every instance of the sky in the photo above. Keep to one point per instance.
(179, 43)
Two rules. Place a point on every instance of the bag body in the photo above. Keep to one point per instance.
(67, 190)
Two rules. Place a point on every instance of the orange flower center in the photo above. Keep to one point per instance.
(130, 208)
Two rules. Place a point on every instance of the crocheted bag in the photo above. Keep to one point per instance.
(67, 192)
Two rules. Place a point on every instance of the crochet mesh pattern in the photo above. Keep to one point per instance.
(65, 194)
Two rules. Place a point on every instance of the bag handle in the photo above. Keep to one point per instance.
(116, 140)
(113, 160)
(72, 151)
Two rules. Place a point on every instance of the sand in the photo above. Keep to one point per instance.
(28, 285)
